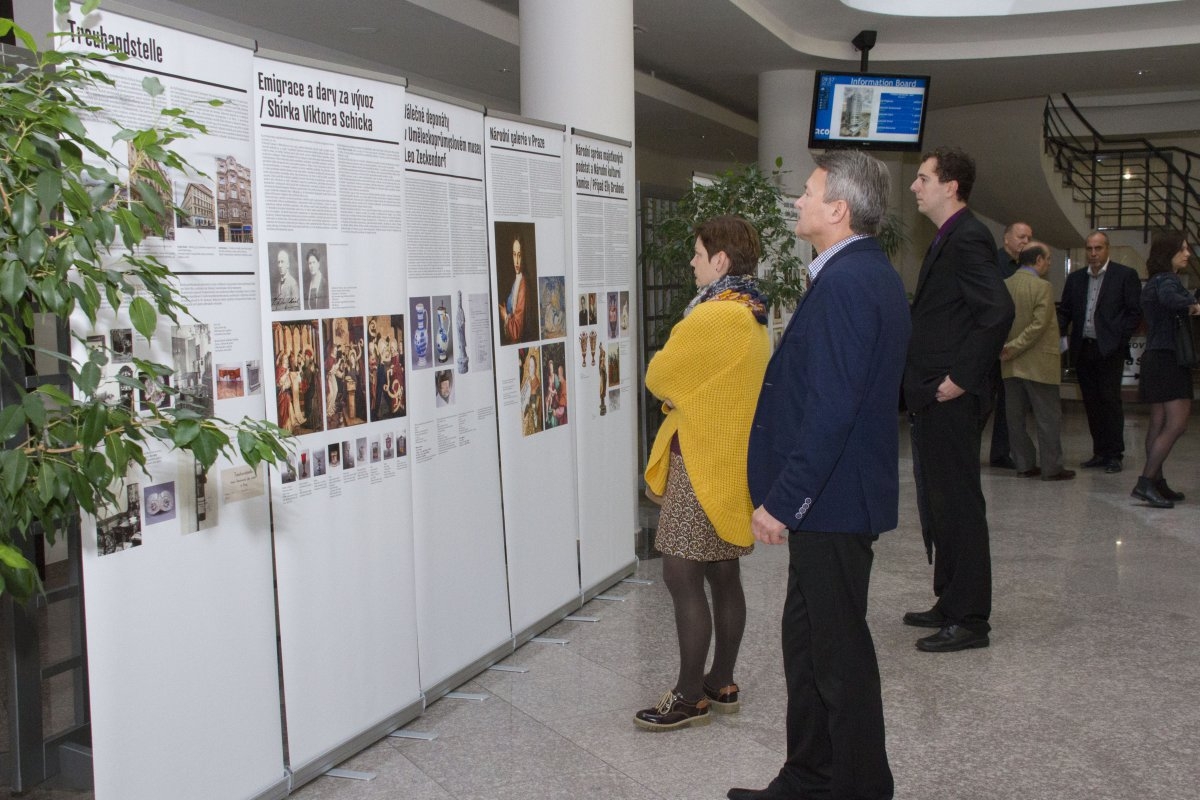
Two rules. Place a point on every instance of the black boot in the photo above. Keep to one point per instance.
(1167, 491)
(1146, 491)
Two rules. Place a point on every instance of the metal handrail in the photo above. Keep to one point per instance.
(1100, 171)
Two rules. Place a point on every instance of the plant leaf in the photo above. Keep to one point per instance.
(143, 316)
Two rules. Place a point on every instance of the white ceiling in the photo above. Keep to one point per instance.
(715, 49)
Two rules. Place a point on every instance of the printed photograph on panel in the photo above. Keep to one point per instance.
(360, 450)
(591, 301)
(159, 503)
(516, 281)
(385, 366)
(530, 366)
(624, 313)
(289, 470)
(318, 462)
(235, 200)
(253, 377)
(285, 284)
(552, 293)
(335, 456)
(231, 381)
(315, 276)
(154, 391)
(297, 376)
(443, 341)
(614, 366)
(197, 204)
(612, 315)
(401, 445)
(376, 451)
(614, 399)
(603, 380)
(583, 310)
(141, 168)
(347, 455)
(555, 383)
(420, 336)
(389, 446)
(345, 372)
(119, 526)
(191, 351)
(195, 497)
(305, 465)
(443, 386)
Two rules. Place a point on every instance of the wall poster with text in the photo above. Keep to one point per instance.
(458, 525)
(180, 611)
(604, 354)
(526, 173)
(336, 329)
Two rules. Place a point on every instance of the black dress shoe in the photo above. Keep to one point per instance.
(1004, 462)
(772, 792)
(1061, 475)
(1112, 466)
(1094, 462)
(952, 638)
(1032, 472)
(925, 619)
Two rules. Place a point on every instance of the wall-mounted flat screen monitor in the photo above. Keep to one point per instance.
(862, 109)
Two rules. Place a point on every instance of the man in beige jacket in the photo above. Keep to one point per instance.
(1031, 366)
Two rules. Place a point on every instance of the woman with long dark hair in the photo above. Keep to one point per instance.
(1164, 384)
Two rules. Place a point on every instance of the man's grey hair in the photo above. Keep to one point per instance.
(862, 181)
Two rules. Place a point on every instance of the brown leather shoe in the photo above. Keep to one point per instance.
(673, 712)
(725, 700)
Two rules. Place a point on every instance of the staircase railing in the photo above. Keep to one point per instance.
(1124, 182)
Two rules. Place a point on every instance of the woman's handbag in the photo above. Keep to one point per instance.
(1185, 343)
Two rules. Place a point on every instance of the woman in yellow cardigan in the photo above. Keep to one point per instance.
(708, 376)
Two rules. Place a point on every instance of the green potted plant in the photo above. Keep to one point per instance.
(748, 192)
(70, 231)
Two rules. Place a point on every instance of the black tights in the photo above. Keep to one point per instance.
(694, 623)
(1168, 421)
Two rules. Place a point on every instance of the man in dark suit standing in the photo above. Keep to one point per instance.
(1016, 236)
(961, 314)
(1101, 307)
(823, 473)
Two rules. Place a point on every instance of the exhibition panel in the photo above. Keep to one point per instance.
(526, 174)
(461, 582)
(329, 211)
(180, 609)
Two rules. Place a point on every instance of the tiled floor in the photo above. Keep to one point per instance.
(1091, 688)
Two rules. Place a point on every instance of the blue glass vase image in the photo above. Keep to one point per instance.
(441, 342)
(421, 337)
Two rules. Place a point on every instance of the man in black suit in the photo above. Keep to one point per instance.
(1016, 236)
(1101, 307)
(961, 315)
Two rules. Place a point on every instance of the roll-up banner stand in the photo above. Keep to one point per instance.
(461, 585)
(526, 178)
(182, 664)
(328, 208)
(603, 356)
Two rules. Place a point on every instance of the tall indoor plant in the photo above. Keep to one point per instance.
(70, 231)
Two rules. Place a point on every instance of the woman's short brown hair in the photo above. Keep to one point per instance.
(734, 236)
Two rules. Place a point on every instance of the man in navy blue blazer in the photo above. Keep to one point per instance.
(961, 314)
(823, 473)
